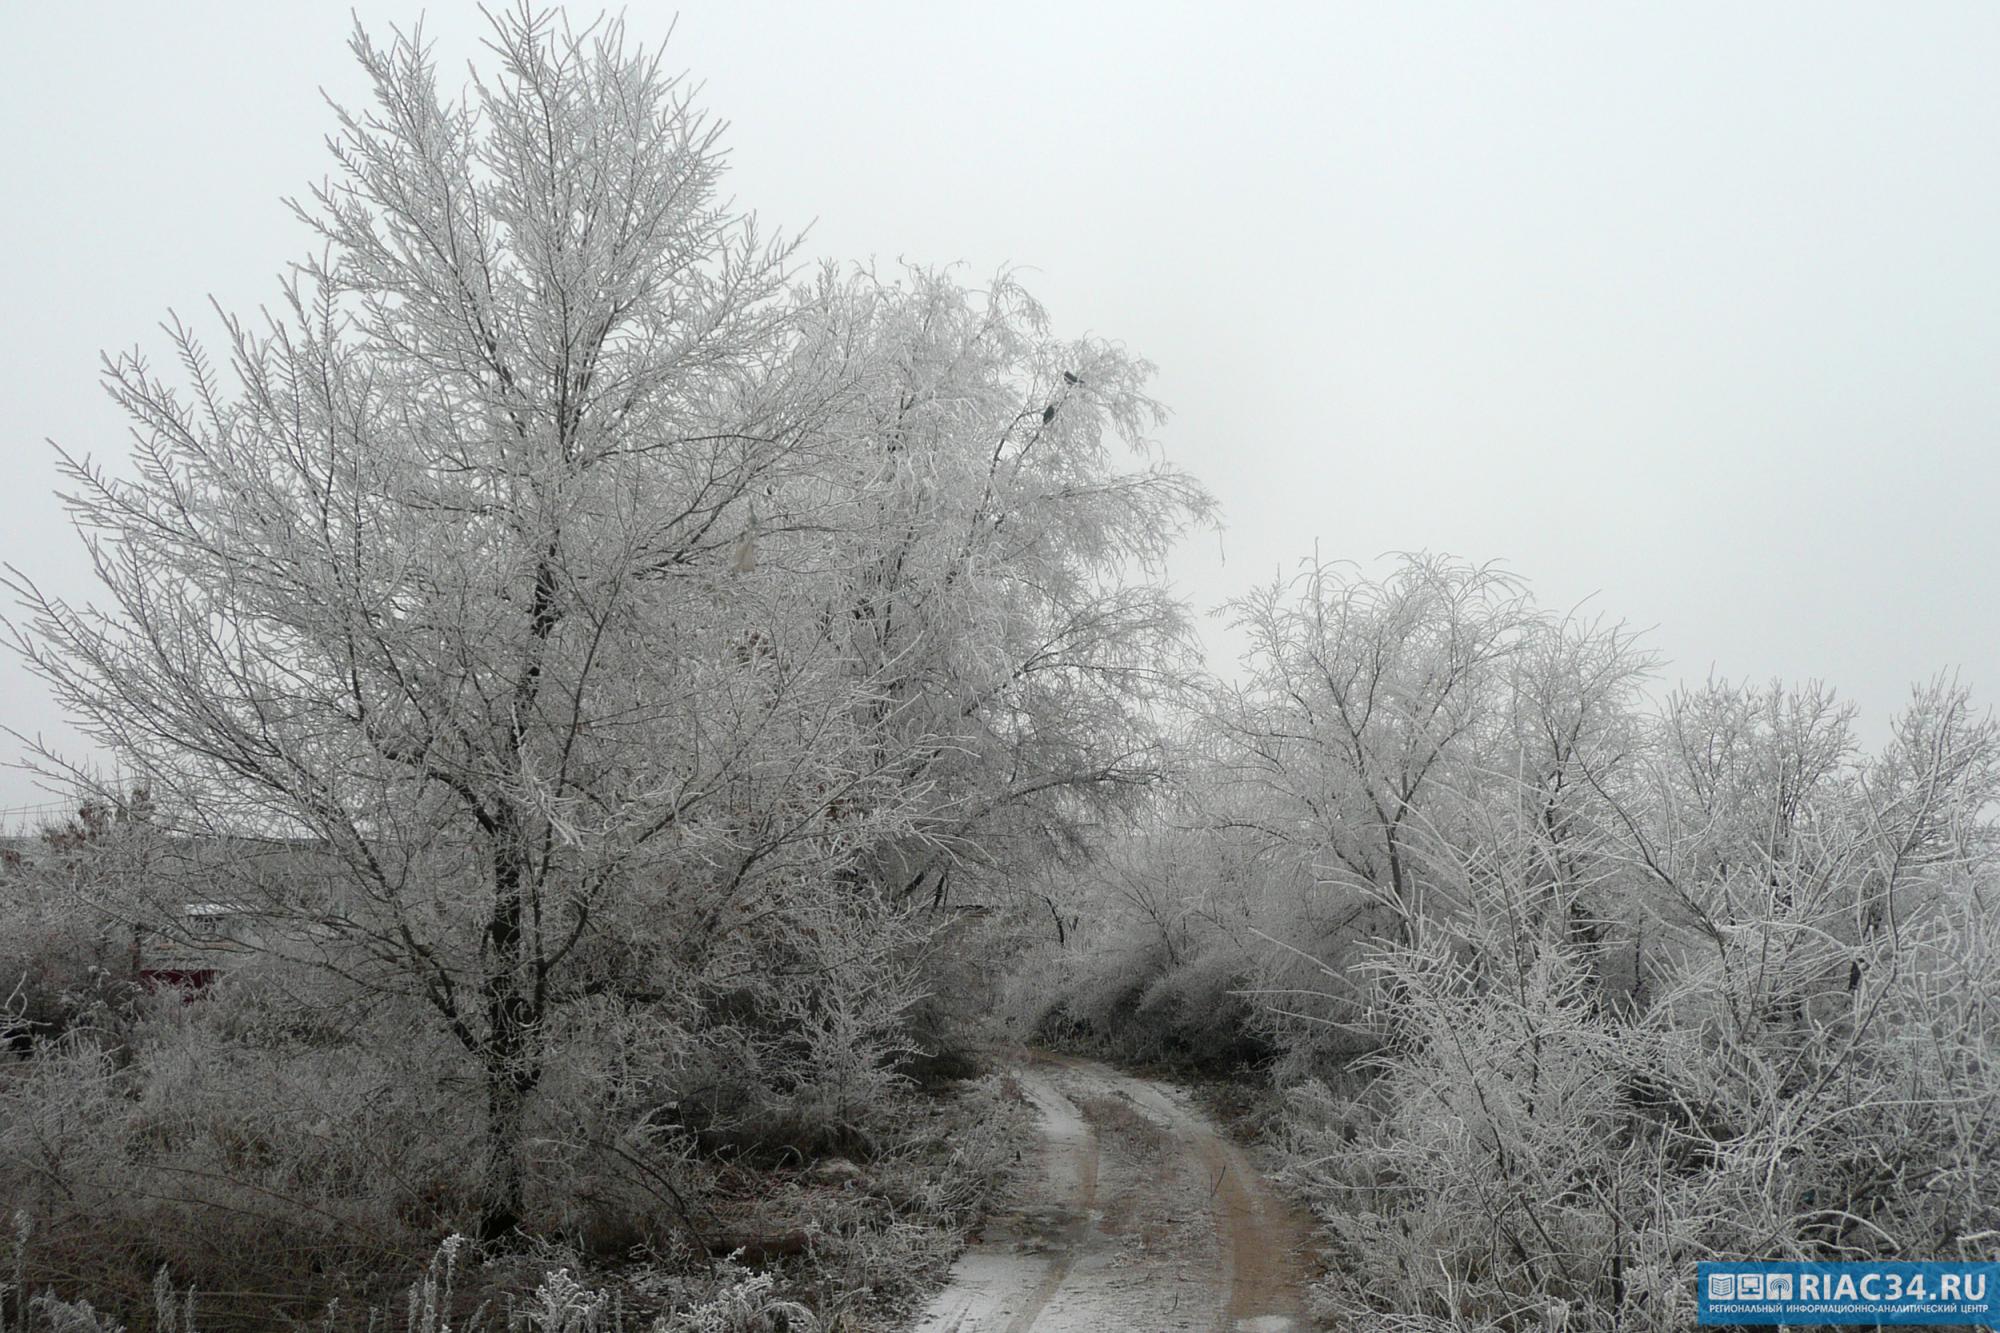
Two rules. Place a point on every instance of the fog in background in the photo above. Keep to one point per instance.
(1691, 310)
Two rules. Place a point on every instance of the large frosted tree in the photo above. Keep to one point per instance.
(586, 597)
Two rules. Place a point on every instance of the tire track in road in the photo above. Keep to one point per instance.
(1066, 1130)
(1002, 1283)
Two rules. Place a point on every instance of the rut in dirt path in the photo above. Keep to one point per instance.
(1139, 1215)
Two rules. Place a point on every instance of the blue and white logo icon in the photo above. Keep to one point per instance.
(1848, 1293)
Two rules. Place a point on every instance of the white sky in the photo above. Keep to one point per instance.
(1695, 307)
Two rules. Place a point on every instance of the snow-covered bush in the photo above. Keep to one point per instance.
(1803, 1063)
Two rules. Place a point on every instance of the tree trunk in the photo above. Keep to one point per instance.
(506, 1181)
(512, 1055)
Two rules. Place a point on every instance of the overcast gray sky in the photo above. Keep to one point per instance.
(1693, 307)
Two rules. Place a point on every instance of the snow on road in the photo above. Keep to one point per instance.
(1139, 1215)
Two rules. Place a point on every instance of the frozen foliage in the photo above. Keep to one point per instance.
(631, 698)
(734, 1301)
(1570, 989)
(591, 655)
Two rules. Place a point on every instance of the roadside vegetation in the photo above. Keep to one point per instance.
(587, 680)
(1564, 987)
(611, 722)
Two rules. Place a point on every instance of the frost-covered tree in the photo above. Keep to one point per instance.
(999, 567)
(1368, 701)
(603, 621)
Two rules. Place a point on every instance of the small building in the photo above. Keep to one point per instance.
(202, 941)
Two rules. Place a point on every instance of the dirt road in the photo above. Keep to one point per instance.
(1139, 1215)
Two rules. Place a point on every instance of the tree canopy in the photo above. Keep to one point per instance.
(596, 591)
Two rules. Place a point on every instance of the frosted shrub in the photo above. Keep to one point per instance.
(561, 1304)
(49, 1313)
(1162, 956)
(1525, 1148)
(238, 1165)
(1489, 1169)
(746, 1303)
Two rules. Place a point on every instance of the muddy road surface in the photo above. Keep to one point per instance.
(1138, 1214)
